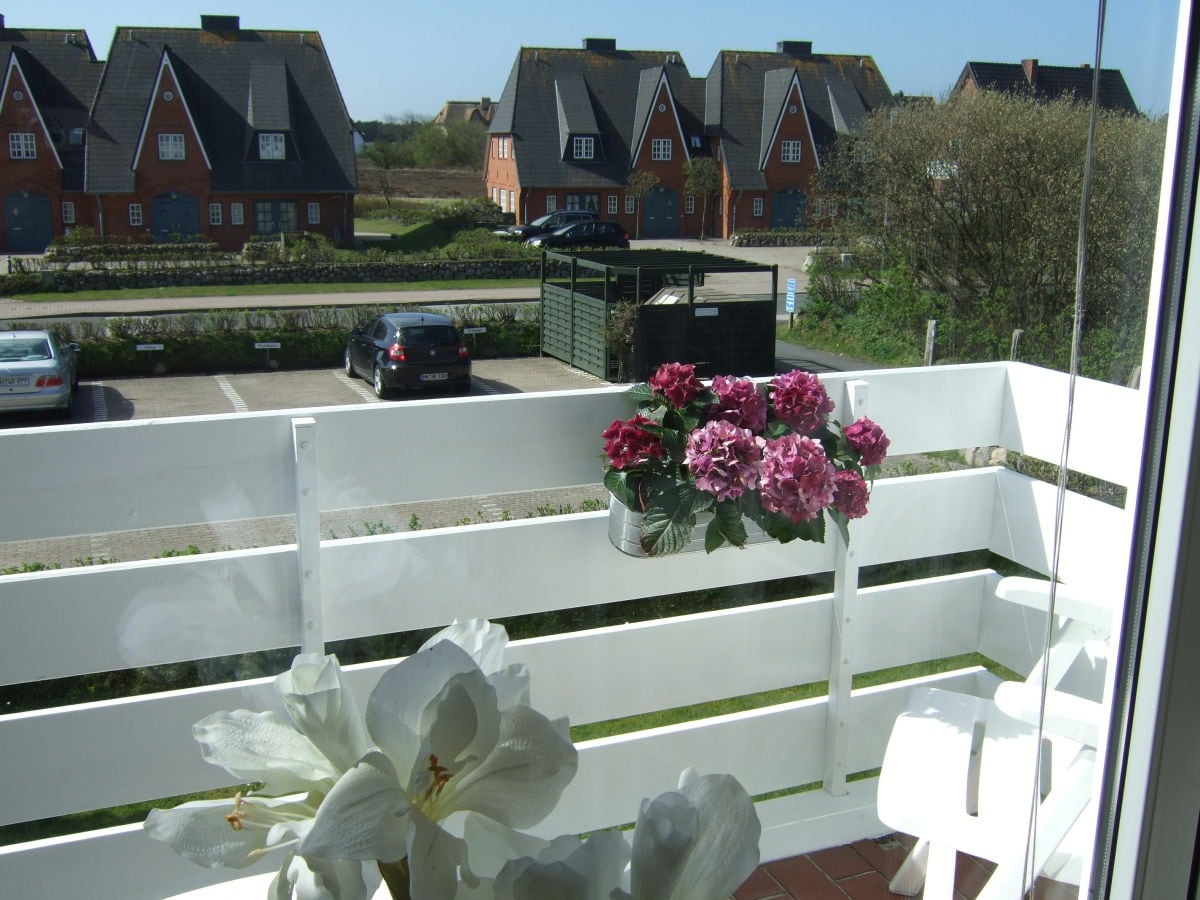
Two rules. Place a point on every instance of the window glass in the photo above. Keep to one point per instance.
(660, 149)
(68, 212)
(272, 145)
(236, 214)
(790, 151)
(630, 204)
(314, 213)
(551, 203)
(689, 204)
(214, 214)
(170, 146)
(274, 216)
(757, 206)
(135, 214)
(612, 204)
(584, 147)
(22, 145)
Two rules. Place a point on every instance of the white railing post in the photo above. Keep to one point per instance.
(841, 636)
(308, 535)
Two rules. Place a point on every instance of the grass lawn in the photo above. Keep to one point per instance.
(251, 290)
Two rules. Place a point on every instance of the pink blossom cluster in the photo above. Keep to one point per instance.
(627, 444)
(869, 440)
(850, 494)
(797, 478)
(801, 401)
(677, 382)
(739, 402)
(724, 459)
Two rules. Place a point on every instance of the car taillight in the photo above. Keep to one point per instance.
(45, 381)
(396, 352)
(462, 351)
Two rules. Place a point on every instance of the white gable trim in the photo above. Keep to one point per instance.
(13, 63)
(812, 141)
(645, 125)
(154, 97)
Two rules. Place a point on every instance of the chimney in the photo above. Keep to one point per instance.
(1030, 67)
(1, 21)
(485, 103)
(800, 49)
(221, 23)
(600, 45)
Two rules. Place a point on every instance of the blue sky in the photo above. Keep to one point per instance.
(394, 57)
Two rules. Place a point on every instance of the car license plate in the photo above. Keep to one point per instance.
(14, 381)
(434, 376)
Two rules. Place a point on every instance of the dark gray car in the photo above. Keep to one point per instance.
(548, 223)
(409, 351)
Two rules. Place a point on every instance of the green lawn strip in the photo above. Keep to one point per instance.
(384, 226)
(252, 290)
(661, 718)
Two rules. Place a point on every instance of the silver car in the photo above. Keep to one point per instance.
(37, 371)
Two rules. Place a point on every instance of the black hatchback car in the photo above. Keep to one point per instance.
(409, 351)
(584, 234)
(549, 222)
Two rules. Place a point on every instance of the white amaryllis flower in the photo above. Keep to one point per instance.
(453, 739)
(699, 842)
(303, 755)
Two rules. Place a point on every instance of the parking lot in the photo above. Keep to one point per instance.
(119, 399)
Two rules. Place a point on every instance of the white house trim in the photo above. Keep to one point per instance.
(155, 96)
(13, 63)
(644, 126)
(774, 142)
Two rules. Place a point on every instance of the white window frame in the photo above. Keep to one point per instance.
(237, 214)
(660, 149)
(272, 145)
(215, 214)
(68, 212)
(756, 207)
(613, 207)
(503, 200)
(551, 203)
(314, 212)
(790, 151)
(136, 219)
(630, 204)
(22, 145)
(496, 196)
(584, 147)
(689, 204)
(171, 146)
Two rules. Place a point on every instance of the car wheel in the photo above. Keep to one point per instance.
(381, 390)
(463, 388)
(348, 364)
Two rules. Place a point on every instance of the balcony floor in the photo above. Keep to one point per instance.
(861, 871)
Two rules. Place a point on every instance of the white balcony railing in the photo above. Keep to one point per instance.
(148, 474)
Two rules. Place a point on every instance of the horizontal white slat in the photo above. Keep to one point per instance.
(105, 618)
(144, 744)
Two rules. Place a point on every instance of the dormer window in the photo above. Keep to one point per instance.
(271, 145)
(584, 148)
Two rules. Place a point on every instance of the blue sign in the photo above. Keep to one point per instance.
(791, 296)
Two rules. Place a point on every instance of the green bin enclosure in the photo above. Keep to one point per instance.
(680, 318)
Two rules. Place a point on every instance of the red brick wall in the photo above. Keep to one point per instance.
(41, 175)
(781, 175)
(500, 173)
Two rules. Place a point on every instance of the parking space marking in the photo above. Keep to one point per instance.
(239, 405)
(357, 386)
(99, 402)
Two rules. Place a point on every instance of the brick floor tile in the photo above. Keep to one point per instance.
(869, 886)
(1045, 889)
(840, 862)
(759, 886)
(800, 877)
(970, 875)
(885, 854)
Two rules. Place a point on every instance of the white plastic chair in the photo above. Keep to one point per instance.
(960, 772)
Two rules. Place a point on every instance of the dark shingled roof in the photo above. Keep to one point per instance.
(543, 88)
(1052, 83)
(62, 72)
(746, 89)
(234, 82)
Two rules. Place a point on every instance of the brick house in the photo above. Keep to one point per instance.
(1047, 83)
(214, 131)
(573, 125)
(50, 76)
(221, 132)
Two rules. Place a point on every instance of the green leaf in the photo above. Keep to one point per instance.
(784, 530)
(842, 523)
(726, 526)
(640, 393)
(669, 518)
(622, 485)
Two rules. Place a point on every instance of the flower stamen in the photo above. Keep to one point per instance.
(441, 775)
(235, 818)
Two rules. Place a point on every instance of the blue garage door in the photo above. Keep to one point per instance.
(789, 209)
(660, 212)
(27, 223)
(176, 217)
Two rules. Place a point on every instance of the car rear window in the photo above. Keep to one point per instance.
(429, 334)
(25, 350)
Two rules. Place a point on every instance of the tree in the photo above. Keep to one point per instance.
(383, 159)
(639, 184)
(976, 202)
(704, 181)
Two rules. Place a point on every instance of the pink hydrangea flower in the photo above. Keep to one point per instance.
(869, 440)
(801, 401)
(628, 445)
(850, 494)
(677, 382)
(724, 459)
(739, 402)
(797, 478)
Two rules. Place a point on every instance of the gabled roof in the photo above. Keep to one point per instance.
(612, 79)
(237, 82)
(61, 70)
(1050, 82)
(649, 85)
(746, 90)
(575, 113)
